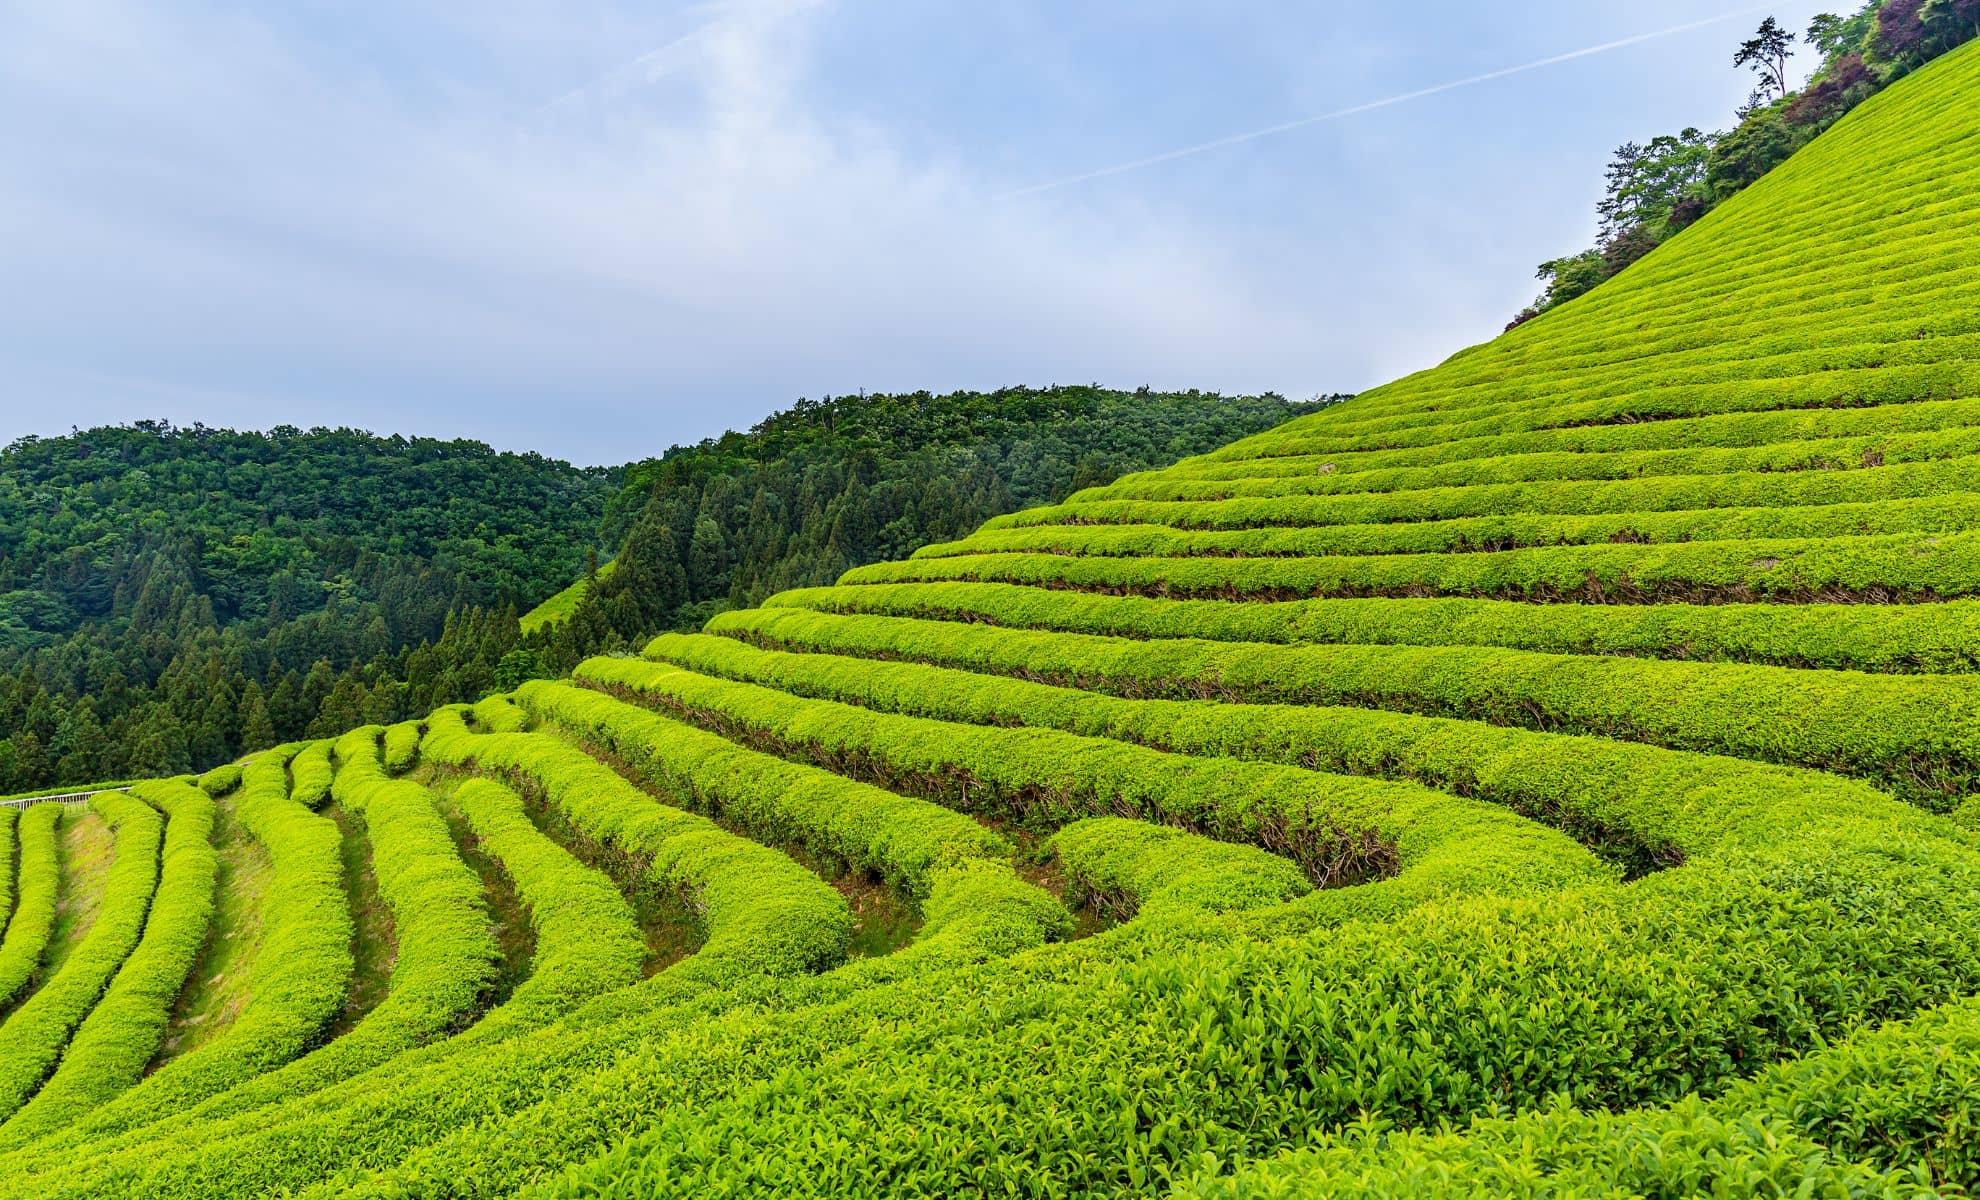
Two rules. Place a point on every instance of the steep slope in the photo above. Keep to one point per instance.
(1529, 778)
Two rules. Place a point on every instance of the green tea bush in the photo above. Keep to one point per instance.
(39, 883)
(301, 969)
(123, 1031)
(35, 1034)
(1881, 638)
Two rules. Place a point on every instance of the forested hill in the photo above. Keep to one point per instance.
(822, 487)
(171, 598)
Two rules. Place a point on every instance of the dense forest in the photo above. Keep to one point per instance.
(1658, 188)
(171, 598)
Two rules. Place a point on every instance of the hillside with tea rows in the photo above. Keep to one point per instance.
(1553, 774)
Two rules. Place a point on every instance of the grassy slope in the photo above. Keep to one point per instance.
(564, 603)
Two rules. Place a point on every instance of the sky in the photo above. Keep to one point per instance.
(595, 230)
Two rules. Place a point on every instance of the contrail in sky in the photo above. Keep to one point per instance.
(1370, 106)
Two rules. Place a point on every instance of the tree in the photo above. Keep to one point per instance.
(1566, 278)
(1767, 52)
(1647, 183)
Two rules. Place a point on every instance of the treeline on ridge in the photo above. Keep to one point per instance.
(172, 598)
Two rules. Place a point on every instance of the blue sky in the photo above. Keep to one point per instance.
(595, 230)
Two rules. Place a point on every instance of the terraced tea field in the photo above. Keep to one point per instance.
(1553, 774)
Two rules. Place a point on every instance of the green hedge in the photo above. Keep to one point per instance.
(402, 746)
(1337, 829)
(123, 1031)
(1753, 489)
(40, 881)
(35, 1034)
(1859, 637)
(311, 774)
(1930, 515)
(1640, 805)
(446, 953)
(302, 965)
(1130, 867)
(857, 824)
(1876, 568)
(1913, 733)
(221, 780)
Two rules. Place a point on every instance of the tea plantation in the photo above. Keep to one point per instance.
(1554, 774)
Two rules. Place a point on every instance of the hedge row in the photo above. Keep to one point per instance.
(39, 883)
(311, 775)
(1937, 514)
(221, 780)
(1820, 454)
(8, 817)
(446, 954)
(976, 909)
(1919, 734)
(587, 941)
(764, 916)
(35, 1034)
(402, 746)
(1640, 805)
(1130, 867)
(841, 820)
(1722, 431)
(1847, 637)
(1757, 489)
(499, 714)
(1877, 569)
(1339, 830)
(123, 1031)
(302, 964)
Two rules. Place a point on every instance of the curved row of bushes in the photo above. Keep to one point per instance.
(764, 916)
(841, 820)
(302, 965)
(1131, 867)
(311, 774)
(124, 1029)
(1664, 493)
(1640, 805)
(34, 1035)
(401, 750)
(1918, 734)
(39, 880)
(1931, 515)
(1339, 830)
(1555, 466)
(1724, 430)
(446, 954)
(1844, 637)
(1878, 569)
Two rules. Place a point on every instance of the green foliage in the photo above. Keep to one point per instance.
(122, 1032)
(300, 971)
(1656, 190)
(165, 592)
(36, 1033)
(38, 884)
(1552, 888)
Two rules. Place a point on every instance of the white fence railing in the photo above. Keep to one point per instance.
(59, 798)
